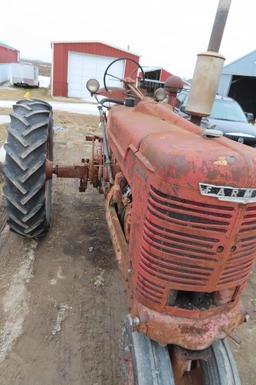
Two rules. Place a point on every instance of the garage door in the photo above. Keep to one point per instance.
(82, 67)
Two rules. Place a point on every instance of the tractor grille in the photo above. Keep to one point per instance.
(173, 249)
(188, 213)
(240, 262)
(149, 290)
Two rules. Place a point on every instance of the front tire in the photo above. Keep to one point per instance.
(147, 362)
(29, 145)
(221, 368)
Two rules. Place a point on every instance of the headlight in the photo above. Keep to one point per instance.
(92, 86)
(160, 94)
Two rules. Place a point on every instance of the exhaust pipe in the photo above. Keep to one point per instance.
(208, 69)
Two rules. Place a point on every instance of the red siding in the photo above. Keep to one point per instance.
(60, 61)
(164, 75)
(8, 55)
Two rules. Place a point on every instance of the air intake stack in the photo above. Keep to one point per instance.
(208, 69)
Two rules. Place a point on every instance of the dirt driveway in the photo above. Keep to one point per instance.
(61, 299)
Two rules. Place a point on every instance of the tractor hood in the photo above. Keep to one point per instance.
(176, 150)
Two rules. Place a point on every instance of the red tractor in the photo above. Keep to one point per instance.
(181, 210)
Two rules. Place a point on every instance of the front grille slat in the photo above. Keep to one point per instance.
(175, 244)
(180, 220)
(187, 214)
(179, 237)
(175, 261)
(169, 268)
(149, 290)
(190, 204)
(172, 278)
(179, 251)
(240, 262)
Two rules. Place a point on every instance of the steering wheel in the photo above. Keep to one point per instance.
(106, 73)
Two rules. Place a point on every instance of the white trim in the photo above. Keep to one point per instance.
(94, 42)
(52, 72)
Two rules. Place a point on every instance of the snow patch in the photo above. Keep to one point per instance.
(44, 81)
(99, 281)
(59, 275)
(2, 154)
(15, 302)
(60, 318)
(4, 119)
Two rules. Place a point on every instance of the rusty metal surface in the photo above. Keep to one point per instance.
(117, 193)
(190, 333)
(219, 25)
(75, 171)
(173, 239)
(128, 221)
(172, 85)
(80, 171)
(114, 93)
(119, 242)
(186, 366)
(180, 240)
(187, 241)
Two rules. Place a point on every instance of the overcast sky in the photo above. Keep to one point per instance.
(167, 33)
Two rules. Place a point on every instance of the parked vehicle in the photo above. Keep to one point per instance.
(24, 75)
(226, 116)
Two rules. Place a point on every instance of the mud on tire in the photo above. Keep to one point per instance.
(29, 144)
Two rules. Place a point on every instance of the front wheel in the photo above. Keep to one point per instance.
(221, 368)
(148, 363)
(29, 145)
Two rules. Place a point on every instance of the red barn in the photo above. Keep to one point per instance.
(76, 62)
(8, 55)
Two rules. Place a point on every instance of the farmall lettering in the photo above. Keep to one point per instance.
(227, 193)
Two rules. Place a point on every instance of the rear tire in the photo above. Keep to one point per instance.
(29, 145)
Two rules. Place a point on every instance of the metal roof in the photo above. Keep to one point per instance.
(153, 68)
(94, 42)
(7, 46)
(243, 66)
(150, 69)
